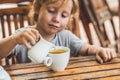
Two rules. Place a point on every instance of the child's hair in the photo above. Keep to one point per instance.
(74, 13)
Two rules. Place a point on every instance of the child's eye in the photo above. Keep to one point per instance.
(64, 15)
(51, 10)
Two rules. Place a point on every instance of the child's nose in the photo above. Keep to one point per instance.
(56, 18)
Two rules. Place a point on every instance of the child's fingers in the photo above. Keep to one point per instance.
(30, 38)
(108, 52)
(27, 45)
(32, 34)
(113, 54)
(99, 59)
(36, 33)
(103, 55)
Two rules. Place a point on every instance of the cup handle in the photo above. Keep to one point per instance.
(48, 61)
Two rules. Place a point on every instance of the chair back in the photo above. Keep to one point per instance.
(13, 15)
(102, 13)
(97, 12)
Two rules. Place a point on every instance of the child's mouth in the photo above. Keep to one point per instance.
(53, 26)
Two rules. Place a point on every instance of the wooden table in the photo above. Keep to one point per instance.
(79, 68)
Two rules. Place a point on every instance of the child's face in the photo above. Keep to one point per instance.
(53, 17)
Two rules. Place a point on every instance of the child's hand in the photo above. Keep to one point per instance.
(105, 54)
(27, 37)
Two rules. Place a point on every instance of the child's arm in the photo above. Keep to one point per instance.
(102, 54)
(7, 44)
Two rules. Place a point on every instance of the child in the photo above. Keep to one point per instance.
(52, 17)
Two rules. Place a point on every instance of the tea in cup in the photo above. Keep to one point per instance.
(60, 57)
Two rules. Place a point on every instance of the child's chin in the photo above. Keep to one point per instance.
(55, 31)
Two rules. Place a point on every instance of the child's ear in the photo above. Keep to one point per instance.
(36, 10)
(36, 7)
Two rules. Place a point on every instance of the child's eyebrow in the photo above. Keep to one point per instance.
(51, 5)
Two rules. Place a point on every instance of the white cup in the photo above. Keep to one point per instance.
(59, 60)
(38, 52)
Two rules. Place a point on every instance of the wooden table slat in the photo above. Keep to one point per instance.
(68, 71)
(86, 76)
(109, 78)
(87, 68)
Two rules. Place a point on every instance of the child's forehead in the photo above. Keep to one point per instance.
(54, 1)
(58, 3)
